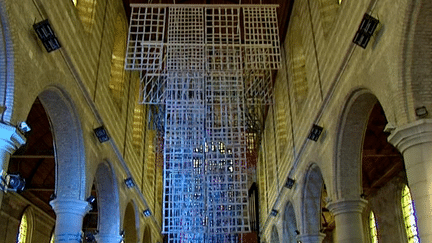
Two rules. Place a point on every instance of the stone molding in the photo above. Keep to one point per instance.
(347, 206)
(411, 134)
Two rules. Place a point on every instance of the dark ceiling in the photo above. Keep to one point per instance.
(284, 10)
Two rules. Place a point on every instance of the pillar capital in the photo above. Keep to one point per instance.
(347, 206)
(10, 138)
(108, 238)
(69, 217)
(311, 238)
(411, 134)
(70, 206)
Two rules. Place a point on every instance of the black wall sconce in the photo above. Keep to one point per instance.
(46, 34)
(315, 132)
(421, 112)
(147, 213)
(289, 183)
(129, 182)
(274, 212)
(102, 134)
(366, 30)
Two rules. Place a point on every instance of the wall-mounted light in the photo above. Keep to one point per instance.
(23, 127)
(315, 132)
(102, 134)
(147, 213)
(274, 213)
(46, 34)
(91, 199)
(129, 182)
(421, 112)
(11, 182)
(289, 183)
(365, 30)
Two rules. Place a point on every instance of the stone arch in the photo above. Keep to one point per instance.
(7, 68)
(68, 143)
(348, 157)
(130, 223)
(311, 201)
(147, 237)
(274, 235)
(108, 200)
(289, 224)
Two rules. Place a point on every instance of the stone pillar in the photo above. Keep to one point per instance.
(10, 140)
(348, 219)
(108, 238)
(311, 238)
(69, 219)
(414, 141)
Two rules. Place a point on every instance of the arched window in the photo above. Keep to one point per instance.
(118, 76)
(23, 229)
(373, 228)
(408, 212)
(138, 124)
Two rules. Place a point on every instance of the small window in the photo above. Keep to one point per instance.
(117, 82)
(23, 229)
(138, 124)
(408, 212)
(373, 228)
(86, 12)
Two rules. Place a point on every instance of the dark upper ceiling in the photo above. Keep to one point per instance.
(284, 9)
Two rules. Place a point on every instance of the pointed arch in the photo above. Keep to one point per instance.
(68, 143)
(108, 200)
(274, 235)
(348, 157)
(131, 223)
(311, 201)
(289, 224)
(147, 237)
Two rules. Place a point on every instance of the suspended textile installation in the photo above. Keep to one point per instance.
(204, 63)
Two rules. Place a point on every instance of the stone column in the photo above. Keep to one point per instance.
(311, 238)
(348, 219)
(414, 141)
(69, 219)
(108, 238)
(10, 140)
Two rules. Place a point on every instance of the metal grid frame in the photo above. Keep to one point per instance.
(261, 33)
(152, 88)
(205, 87)
(185, 39)
(259, 87)
(146, 39)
